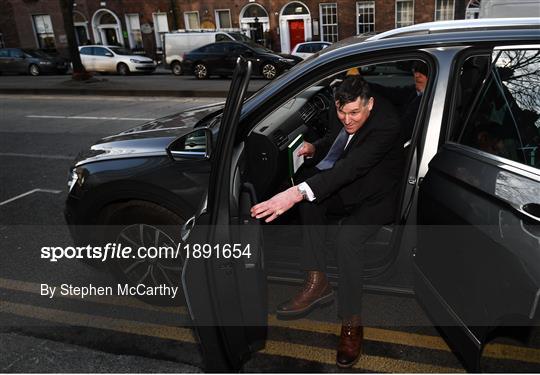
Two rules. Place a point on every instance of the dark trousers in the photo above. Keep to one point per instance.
(357, 224)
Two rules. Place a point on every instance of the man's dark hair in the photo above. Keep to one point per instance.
(420, 67)
(352, 88)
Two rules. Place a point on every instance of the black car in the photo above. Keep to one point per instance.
(31, 61)
(220, 59)
(465, 240)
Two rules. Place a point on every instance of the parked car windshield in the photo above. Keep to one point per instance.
(121, 51)
(258, 47)
(241, 37)
(34, 53)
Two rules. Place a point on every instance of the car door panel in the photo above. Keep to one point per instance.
(226, 296)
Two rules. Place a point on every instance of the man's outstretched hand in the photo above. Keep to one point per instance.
(277, 205)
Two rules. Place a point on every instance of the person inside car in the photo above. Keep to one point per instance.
(406, 98)
(358, 179)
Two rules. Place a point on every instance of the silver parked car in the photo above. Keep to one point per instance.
(113, 59)
(465, 241)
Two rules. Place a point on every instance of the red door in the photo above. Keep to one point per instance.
(296, 32)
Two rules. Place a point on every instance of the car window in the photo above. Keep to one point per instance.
(121, 51)
(222, 37)
(4, 53)
(15, 52)
(504, 117)
(86, 51)
(302, 48)
(99, 51)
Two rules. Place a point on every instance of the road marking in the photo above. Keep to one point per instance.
(35, 288)
(38, 156)
(30, 192)
(91, 118)
(493, 350)
(367, 362)
(285, 349)
(96, 321)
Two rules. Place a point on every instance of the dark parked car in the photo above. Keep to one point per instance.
(220, 59)
(33, 62)
(465, 240)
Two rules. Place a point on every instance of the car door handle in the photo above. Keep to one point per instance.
(533, 209)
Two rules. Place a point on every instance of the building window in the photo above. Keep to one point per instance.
(161, 26)
(329, 22)
(404, 13)
(473, 9)
(134, 31)
(444, 10)
(223, 19)
(44, 31)
(365, 15)
(192, 20)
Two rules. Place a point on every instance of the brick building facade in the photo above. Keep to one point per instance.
(137, 24)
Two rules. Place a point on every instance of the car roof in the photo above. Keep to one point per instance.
(315, 42)
(459, 26)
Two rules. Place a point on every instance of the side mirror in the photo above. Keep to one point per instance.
(108, 54)
(195, 145)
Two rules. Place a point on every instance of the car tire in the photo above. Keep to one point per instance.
(140, 223)
(200, 71)
(269, 71)
(176, 68)
(33, 70)
(122, 69)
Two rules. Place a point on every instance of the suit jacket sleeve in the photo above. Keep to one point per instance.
(381, 135)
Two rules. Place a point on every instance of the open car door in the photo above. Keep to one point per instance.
(477, 263)
(223, 275)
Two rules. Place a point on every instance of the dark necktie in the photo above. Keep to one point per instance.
(335, 151)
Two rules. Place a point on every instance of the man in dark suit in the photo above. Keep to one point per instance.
(407, 99)
(358, 178)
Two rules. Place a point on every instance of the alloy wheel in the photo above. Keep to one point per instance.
(34, 70)
(177, 69)
(200, 71)
(269, 71)
(149, 271)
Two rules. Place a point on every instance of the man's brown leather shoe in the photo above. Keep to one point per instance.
(350, 342)
(316, 291)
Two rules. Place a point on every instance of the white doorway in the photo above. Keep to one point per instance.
(294, 25)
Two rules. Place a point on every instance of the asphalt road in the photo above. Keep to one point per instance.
(39, 136)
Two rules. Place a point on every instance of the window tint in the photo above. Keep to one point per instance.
(3, 53)
(504, 119)
(98, 51)
(86, 51)
(302, 48)
(15, 52)
(222, 38)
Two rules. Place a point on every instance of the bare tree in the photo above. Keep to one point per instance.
(79, 72)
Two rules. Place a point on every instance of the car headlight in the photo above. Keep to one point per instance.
(134, 61)
(286, 60)
(75, 177)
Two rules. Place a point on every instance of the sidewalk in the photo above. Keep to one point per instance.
(160, 83)
(26, 354)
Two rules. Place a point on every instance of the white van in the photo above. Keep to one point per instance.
(178, 43)
(509, 8)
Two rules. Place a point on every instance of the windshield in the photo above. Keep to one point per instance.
(121, 51)
(258, 47)
(240, 37)
(34, 53)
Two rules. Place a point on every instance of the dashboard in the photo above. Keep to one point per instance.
(266, 145)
